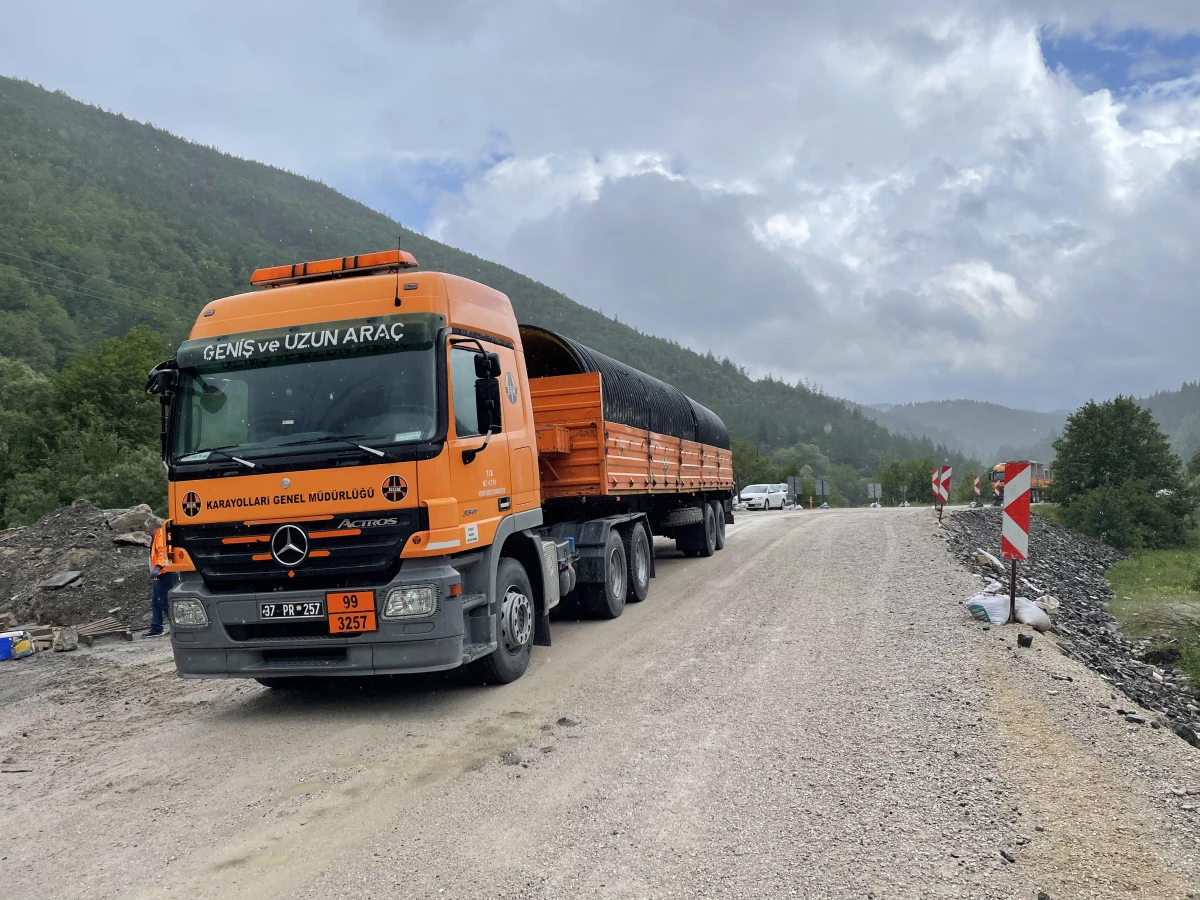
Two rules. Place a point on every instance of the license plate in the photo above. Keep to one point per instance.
(350, 601)
(308, 609)
(343, 622)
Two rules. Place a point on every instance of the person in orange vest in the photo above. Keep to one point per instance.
(160, 582)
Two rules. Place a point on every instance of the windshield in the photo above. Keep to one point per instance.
(755, 489)
(386, 398)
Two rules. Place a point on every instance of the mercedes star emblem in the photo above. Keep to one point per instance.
(289, 546)
(287, 482)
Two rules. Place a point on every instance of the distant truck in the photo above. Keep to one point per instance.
(376, 470)
(1040, 478)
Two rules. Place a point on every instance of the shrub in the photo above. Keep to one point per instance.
(1129, 516)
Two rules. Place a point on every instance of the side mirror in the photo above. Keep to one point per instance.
(487, 365)
(487, 405)
(163, 378)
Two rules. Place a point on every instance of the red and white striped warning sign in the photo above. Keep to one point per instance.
(946, 484)
(976, 487)
(1014, 529)
(937, 486)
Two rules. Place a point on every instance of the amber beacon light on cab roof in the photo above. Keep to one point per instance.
(376, 470)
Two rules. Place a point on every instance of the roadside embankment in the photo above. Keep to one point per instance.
(1071, 568)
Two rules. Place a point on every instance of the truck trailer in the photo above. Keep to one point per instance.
(375, 470)
(1040, 479)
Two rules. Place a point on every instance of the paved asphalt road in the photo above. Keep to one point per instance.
(809, 713)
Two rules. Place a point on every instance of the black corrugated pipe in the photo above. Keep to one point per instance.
(630, 397)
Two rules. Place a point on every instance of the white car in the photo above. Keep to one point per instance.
(764, 496)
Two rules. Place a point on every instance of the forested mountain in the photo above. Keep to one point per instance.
(107, 223)
(972, 426)
(993, 432)
(1178, 415)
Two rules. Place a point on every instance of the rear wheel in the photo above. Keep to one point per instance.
(637, 555)
(719, 512)
(509, 660)
(708, 539)
(607, 600)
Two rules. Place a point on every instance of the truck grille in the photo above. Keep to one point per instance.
(235, 557)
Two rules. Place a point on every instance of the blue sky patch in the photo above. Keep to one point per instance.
(408, 192)
(1122, 61)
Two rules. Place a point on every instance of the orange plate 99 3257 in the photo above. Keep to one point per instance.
(349, 602)
(343, 622)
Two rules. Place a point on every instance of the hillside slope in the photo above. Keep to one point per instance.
(106, 223)
(972, 426)
(991, 431)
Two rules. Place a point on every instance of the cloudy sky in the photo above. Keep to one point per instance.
(997, 199)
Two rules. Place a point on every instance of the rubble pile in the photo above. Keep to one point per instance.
(1071, 568)
(78, 565)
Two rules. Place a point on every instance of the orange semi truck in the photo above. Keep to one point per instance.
(376, 470)
(1040, 479)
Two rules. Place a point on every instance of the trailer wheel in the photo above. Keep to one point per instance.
(509, 660)
(708, 538)
(637, 555)
(719, 515)
(607, 600)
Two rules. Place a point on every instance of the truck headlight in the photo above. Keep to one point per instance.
(188, 613)
(409, 602)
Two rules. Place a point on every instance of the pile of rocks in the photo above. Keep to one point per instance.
(1071, 567)
(78, 564)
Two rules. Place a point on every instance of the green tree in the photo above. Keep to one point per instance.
(963, 486)
(1112, 443)
(1117, 478)
(89, 431)
(1193, 466)
(911, 474)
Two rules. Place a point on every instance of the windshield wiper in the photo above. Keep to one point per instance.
(334, 438)
(224, 451)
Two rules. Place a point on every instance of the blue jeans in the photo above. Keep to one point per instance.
(159, 586)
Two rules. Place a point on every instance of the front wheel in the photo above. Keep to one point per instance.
(607, 600)
(287, 682)
(509, 660)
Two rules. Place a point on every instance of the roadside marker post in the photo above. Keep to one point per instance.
(941, 488)
(1014, 526)
(976, 487)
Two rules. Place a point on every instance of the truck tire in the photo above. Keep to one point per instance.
(637, 555)
(607, 600)
(509, 660)
(706, 539)
(275, 682)
(719, 514)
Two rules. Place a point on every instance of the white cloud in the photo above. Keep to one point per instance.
(898, 201)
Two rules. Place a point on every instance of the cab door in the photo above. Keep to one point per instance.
(482, 485)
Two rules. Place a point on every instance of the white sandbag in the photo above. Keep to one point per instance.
(1029, 613)
(996, 587)
(991, 608)
(986, 559)
(1048, 603)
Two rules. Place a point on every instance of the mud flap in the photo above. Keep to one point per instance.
(541, 630)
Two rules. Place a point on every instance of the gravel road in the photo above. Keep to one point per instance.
(810, 713)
